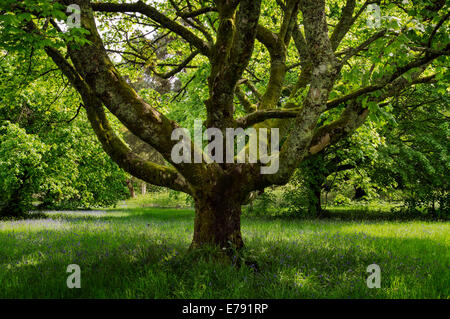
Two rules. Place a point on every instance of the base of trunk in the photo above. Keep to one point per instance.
(217, 223)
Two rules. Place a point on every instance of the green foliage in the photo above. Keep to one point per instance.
(21, 168)
(64, 168)
(416, 155)
(341, 200)
(401, 156)
(48, 155)
(163, 198)
(16, 35)
(302, 196)
(340, 167)
(263, 203)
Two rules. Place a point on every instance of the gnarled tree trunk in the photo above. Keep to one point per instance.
(218, 222)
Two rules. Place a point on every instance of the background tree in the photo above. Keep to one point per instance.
(348, 161)
(415, 158)
(48, 152)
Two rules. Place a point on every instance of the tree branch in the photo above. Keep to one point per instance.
(355, 114)
(351, 52)
(156, 16)
(389, 78)
(277, 51)
(346, 21)
(121, 154)
(230, 56)
(112, 144)
(179, 68)
(261, 116)
(196, 13)
(248, 106)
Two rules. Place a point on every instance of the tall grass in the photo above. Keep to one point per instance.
(143, 253)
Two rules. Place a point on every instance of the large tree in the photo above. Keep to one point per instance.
(326, 71)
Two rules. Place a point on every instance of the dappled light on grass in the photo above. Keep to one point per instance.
(143, 253)
(334, 255)
(85, 215)
(31, 224)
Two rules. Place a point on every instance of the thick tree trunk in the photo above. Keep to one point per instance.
(143, 188)
(314, 200)
(217, 222)
(317, 201)
(131, 188)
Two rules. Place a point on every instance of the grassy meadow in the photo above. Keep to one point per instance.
(142, 252)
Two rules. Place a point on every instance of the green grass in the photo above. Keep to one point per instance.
(143, 253)
(160, 200)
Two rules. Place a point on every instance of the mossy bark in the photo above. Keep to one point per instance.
(217, 222)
